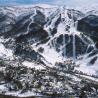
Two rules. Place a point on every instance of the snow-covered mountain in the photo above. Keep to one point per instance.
(41, 36)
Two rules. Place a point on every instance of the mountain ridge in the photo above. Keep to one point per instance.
(56, 22)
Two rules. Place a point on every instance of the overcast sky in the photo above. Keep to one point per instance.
(55, 2)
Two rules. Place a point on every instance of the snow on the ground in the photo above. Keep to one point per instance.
(87, 68)
(26, 94)
(91, 78)
(76, 78)
(32, 65)
(51, 55)
(2, 88)
(5, 53)
(61, 29)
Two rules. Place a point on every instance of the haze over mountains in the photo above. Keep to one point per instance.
(71, 3)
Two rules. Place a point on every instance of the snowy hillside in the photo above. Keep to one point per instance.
(44, 37)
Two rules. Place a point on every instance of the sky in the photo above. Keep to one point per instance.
(54, 2)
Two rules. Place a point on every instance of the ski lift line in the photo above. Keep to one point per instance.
(55, 13)
(74, 48)
(74, 39)
(87, 48)
(84, 41)
(69, 40)
(54, 43)
(53, 18)
(89, 38)
(52, 38)
(91, 35)
(50, 35)
(30, 23)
